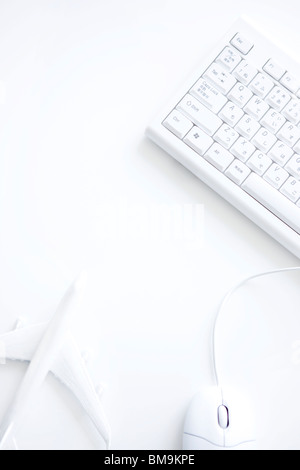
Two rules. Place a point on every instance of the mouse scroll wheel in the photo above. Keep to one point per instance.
(223, 417)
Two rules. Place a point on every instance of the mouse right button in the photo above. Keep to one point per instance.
(241, 429)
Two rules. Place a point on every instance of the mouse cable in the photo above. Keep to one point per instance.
(224, 303)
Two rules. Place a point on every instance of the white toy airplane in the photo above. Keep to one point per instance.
(50, 348)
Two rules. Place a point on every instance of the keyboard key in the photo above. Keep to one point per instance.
(256, 107)
(245, 72)
(240, 95)
(290, 82)
(208, 95)
(226, 136)
(274, 69)
(278, 98)
(242, 149)
(289, 134)
(200, 115)
(220, 77)
(276, 176)
(261, 85)
(280, 153)
(259, 162)
(247, 126)
(293, 166)
(219, 157)
(231, 113)
(229, 59)
(273, 121)
(178, 124)
(296, 147)
(273, 200)
(292, 111)
(198, 140)
(238, 172)
(291, 189)
(264, 140)
(242, 44)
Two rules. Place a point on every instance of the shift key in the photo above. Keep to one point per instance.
(200, 115)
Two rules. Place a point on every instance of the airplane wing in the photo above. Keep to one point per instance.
(69, 368)
(21, 344)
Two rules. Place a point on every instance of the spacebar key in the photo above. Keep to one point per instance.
(200, 115)
(273, 200)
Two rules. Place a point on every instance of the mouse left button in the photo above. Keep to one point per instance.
(201, 421)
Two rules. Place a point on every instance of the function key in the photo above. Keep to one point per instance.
(242, 44)
(274, 69)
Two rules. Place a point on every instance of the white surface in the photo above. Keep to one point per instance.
(81, 187)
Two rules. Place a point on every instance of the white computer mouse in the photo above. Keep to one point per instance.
(219, 420)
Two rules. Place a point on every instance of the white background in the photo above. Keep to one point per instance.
(80, 81)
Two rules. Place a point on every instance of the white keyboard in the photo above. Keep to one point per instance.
(236, 125)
